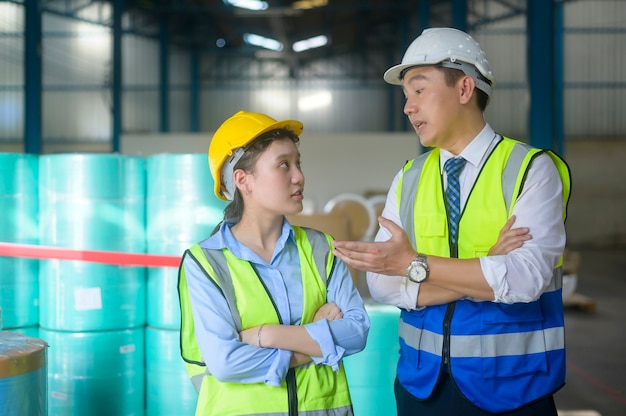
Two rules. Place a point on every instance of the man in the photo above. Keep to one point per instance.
(481, 331)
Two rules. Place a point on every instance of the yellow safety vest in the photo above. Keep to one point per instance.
(315, 390)
(500, 356)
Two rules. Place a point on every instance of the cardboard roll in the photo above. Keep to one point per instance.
(23, 375)
(20, 354)
(360, 213)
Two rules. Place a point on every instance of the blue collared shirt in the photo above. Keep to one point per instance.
(229, 359)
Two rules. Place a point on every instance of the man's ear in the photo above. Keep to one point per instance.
(467, 85)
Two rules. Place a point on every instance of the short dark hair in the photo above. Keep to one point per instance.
(452, 75)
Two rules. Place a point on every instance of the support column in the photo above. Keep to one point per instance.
(541, 60)
(116, 85)
(164, 44)
(194, 93)
(33, 84)
(459, 14)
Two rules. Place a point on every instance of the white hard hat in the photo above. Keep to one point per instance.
(447, 47)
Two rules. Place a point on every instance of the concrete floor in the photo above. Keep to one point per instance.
(595, 340)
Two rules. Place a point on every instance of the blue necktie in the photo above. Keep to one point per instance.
(453, 168)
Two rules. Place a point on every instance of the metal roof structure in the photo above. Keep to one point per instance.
(355, 28)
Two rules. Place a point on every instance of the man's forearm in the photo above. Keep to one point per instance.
(464, 276)
(430, 295)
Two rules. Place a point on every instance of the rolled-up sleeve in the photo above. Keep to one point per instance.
(346, 336)
(392, 290)
(523, 274)
(226, 357)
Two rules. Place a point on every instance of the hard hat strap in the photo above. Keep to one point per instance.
(469, 70)
(228, 184)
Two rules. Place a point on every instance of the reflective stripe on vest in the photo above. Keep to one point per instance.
(507, 346)
(324, 388)
(484, 346)
(343, 411)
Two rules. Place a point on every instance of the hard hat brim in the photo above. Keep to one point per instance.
(393, 75)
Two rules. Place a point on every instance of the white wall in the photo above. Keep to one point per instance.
(596, 214)
(332, 163)
(364, 163)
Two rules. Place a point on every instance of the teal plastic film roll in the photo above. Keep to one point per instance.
(19, 207)
(371, 373)
(181, 206)
(19, 292)
(81, 296)
(168, 388)
(19, 202)
(181, 209)
(95, 373)
(163, 308)
(91, 176)
(92, 202)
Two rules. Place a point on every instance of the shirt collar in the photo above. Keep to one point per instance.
(475, 151)
(224, 238)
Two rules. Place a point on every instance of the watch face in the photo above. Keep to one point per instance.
(417, 273)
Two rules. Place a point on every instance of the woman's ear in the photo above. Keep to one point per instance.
(241, 181)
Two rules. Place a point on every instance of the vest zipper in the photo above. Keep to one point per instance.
(454, 250)
(454, 253)
(292, 392)
(290, 379)
(446, 336)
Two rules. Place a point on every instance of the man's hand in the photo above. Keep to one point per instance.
(510, 239)
(392, 257)
(389, 257)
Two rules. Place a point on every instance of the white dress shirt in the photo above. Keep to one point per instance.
(519, 276)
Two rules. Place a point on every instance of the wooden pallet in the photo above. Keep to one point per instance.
(579, 302)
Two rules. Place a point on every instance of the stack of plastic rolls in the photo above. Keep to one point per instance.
(91, 314)
(181, 210)
(96, 373)
(168, 388)
(19, 205)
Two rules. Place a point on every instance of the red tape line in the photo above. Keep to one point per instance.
(118, 258)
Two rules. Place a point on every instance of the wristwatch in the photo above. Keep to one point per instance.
(418, 270)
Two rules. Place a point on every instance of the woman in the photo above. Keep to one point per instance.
(268, 312)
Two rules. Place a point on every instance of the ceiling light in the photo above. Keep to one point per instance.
(314, 42)
(262, 41)
(248, 4)
(315, 101)
(309, 4)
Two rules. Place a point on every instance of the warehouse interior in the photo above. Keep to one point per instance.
(107, 109)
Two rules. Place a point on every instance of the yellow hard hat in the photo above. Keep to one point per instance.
(229, 141)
